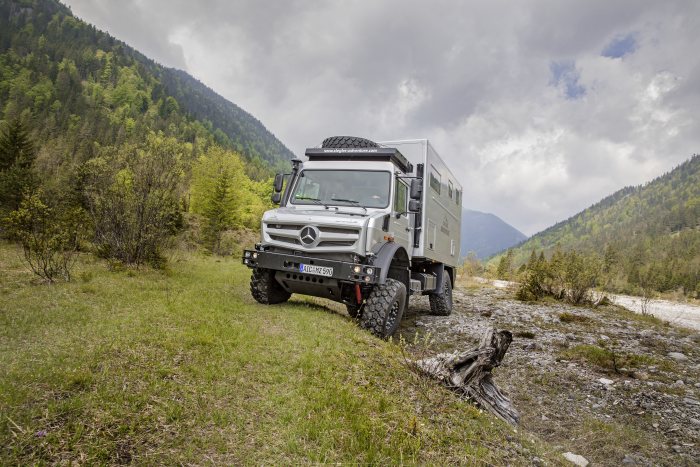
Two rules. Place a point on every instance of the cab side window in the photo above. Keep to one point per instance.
(400, 196)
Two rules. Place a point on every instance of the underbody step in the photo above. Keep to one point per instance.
(415, 287)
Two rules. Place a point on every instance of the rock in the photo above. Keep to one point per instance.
(544, 418)
(537, 461)
(576, 459)
(679, 383)
(695, 421)
(691, 401)
(678, 356)
(606, 381)
(630, 459)
(604, 337)
(676, 448)
(642, 375)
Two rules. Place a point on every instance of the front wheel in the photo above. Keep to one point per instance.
(265, 289)
(441, 303)
(383, 308)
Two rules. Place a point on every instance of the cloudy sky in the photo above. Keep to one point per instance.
(542, 107)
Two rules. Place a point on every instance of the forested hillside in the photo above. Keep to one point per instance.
(77, 86)
(647, 237)
(103, 150)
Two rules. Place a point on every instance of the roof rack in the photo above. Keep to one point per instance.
(360, 154)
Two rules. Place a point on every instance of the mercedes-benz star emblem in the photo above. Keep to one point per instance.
(308, 235)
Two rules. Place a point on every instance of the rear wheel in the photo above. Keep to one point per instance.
(348, 142)
(383, 308)
(265, 289)
(441, 303)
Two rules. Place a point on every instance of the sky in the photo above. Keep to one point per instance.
(541, 108)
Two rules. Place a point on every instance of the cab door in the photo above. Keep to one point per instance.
(400, 227)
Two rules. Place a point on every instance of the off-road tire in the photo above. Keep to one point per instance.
(383, 309)
(354, 310)
(441, 303)
(348, 142)
(265, 289)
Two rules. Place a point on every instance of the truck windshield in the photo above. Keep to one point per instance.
(362, 188)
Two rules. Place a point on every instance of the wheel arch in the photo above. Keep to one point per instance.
(394, 263)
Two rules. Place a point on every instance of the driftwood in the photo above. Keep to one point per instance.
(469, 373)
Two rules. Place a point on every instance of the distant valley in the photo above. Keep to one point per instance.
(486, 234)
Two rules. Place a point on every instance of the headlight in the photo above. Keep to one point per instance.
(255, 255)
(369, 270)
(367, 278)
(356, 269)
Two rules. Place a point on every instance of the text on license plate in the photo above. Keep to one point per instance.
(318, 270)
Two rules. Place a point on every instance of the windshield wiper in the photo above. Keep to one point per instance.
(351, 201)
(315, 200)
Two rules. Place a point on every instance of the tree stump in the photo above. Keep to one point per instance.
(469, 373)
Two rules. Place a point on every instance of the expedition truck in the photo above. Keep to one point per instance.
(365, 224)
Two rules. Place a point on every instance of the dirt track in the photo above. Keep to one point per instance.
(646, 414)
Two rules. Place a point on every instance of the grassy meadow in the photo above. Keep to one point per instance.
(182, 366)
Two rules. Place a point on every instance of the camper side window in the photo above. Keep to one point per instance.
(450, 188)
(435, 180)
(458, 197)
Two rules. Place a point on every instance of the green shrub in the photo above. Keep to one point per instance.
(49, 237)
(566, 276)
(132, 194)
(567, 317)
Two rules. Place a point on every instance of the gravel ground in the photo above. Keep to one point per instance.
(645, 414)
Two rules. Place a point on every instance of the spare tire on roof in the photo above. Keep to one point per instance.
(348, 142)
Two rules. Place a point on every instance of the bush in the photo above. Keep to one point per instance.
(566, 276)
(132, 195)
(49, 237)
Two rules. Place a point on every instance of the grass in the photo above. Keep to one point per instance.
(182, 366)
(608, 359)
(567, 317)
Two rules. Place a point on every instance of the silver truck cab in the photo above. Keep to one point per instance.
(350, 228)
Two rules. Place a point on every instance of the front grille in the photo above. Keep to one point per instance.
(330, 237)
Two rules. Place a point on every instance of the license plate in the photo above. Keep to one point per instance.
(317, 270)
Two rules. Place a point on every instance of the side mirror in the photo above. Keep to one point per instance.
(414, 205)
(416, 189)
(276, 198)
(279, 180)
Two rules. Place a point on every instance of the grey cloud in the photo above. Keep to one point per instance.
(474, 76)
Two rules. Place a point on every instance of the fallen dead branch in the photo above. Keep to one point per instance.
(469, 373)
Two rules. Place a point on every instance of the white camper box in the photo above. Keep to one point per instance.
(442, 203)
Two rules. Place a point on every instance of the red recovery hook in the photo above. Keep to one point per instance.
(358, 294)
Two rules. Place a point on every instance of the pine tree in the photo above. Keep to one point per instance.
(505, 266)
(217, 213)
(15, 147)
(16, 157)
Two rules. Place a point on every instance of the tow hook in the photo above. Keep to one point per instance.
(358, 294)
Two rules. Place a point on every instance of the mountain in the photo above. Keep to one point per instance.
(645, 235)
(486, 234)
(76, 86)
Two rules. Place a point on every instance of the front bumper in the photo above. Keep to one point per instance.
(292, 265)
